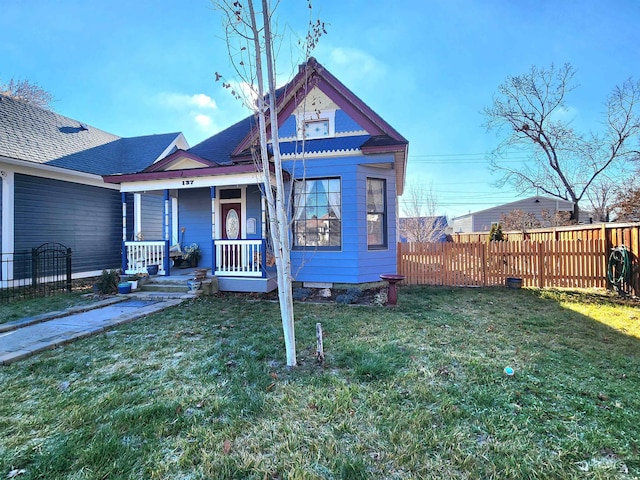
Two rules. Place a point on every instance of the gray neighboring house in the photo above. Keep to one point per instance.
(481, 221)
(52, 190)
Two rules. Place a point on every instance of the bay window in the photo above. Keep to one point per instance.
(317, 214)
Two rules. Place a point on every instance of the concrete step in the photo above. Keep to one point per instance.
(164, 287)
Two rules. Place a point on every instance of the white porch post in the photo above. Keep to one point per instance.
(264, 216)
(8, 211)
(167, 231)
(123, 199)
(137, 233)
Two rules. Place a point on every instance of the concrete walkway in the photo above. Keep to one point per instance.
(26, 337)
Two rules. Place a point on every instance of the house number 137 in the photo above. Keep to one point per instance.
(187, 182)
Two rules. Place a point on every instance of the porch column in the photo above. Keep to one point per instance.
(264, 216)
(213, 230)
(123, 199)
(7, 241)
(263, 247)
(166, 224)
(166, 230)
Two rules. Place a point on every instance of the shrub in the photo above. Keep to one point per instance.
(301, 293)
(108, 282)
(495, 235)
(350, 296)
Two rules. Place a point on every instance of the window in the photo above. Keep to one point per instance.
(316, 124)
(376, 213)
(230, 193)
(316, 129)
(317, 214)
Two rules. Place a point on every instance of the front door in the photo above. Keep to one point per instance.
(231, 214)
(231, 230)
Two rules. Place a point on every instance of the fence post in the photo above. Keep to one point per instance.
(68, 269)
(483, 262)
(34, 268)
(540, 264)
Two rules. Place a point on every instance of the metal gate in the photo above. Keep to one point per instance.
(50, 269)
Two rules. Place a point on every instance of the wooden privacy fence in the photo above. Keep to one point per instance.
(539, 263)
(570, 256)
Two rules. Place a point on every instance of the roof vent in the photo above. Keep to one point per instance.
(83, 127)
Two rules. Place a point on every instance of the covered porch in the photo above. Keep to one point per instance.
(219, 213)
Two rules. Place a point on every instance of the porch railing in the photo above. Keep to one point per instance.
(139, 255)
(240, 258)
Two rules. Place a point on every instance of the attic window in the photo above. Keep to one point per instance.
(316, 124)
(316, 128)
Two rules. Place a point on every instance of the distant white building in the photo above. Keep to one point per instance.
(482, 220)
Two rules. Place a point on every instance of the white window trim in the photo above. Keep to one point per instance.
(243, 214)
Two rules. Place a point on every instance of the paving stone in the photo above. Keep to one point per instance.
(61, 330)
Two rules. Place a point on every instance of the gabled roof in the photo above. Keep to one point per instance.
(234, 144)
(39, 136)
(180, 160)
(313, 74)
(519, 204)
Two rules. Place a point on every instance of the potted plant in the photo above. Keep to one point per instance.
(135, 280)
(191, 256)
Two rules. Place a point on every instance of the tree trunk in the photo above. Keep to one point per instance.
(277, 207)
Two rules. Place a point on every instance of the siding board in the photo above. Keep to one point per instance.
(84, 218)
(152, 215)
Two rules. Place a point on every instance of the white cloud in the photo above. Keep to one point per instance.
(203, 101)
(180, 101)
(203, 121)
(356, 63)
(565, 114)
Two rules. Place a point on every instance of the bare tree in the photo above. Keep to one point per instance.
(602, 197)
(422, 223)
(627, 206)
(28, 92)
(564, 163)
(555, 219)
(519, 220)
(250, 39)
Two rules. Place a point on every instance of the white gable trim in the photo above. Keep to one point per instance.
(180, 142)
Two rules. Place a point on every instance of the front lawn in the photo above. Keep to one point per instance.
(418, 391)
(31, 307)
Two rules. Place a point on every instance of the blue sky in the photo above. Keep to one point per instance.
(136, 67)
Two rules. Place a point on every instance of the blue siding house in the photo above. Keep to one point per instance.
(345, 168)
(52, 190)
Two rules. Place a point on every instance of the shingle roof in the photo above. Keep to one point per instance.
(36, 135)
(336, 144)
(218, 148)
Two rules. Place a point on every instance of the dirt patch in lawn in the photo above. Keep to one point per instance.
(352, 296)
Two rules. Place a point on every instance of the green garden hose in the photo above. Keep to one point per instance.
(619, 267)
